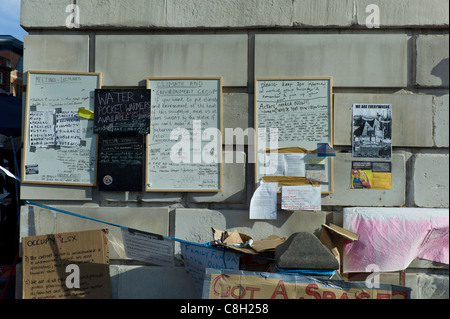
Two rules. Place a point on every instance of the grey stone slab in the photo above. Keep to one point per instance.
(233, 182)
(432, 62)
(234, 13)
(43, 14)
(313, 13)
(147, 282)
(236, 113)
(194, 224)
(56, 52)
(431, 180)
(304, 250)
(441, 116)
(143, 56)
(231, 13)
(341, 56)
(405, 13)
(122, 14)
(411, 114)
(35, 220)
(55, 192)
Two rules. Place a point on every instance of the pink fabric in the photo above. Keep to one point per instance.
(391, 243)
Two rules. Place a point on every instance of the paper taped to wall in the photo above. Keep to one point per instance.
(147, 247)
(263, 204)
(301, 197)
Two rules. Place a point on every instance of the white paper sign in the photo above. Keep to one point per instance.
(263, 204)
(150, 248)
(301, 197)
(285, 164)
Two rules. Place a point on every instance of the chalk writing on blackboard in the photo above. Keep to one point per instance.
(122, 110)
(120, 160)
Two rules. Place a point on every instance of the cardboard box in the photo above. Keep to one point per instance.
(46, 258)
(333, 237)
(244, 243)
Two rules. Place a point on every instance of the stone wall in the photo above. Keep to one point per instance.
(403, 62)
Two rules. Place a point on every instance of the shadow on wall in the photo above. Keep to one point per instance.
(441, 71)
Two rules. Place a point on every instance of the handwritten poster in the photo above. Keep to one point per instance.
(42, 128)
(184, 144)
(59, 146)
(197, 259)
(301, 197)
(47, 258)
(300, 110)
(68, 129)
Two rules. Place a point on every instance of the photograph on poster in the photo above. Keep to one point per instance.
(372, 130)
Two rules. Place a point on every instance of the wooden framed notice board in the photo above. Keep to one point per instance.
(298, 114)
(59, 146)
(183, 151)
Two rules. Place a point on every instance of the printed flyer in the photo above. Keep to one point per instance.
(372, 130)
(374, 175)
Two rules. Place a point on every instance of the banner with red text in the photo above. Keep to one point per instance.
(237, 284)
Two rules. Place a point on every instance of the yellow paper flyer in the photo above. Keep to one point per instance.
(371, 175)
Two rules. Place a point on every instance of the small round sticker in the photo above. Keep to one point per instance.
(107, 180)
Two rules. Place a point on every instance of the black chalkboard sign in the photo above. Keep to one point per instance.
(122, 110)
(120, 160)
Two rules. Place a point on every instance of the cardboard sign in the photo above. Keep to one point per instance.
(52, 265)
(229, 284)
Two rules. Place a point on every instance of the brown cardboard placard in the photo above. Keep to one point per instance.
(236, 284)
(46, 258)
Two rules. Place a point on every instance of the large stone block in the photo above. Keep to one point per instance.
(313, 13)
(56, 52)
(430, 180)
(344, 195)
(194, 225)
(143, 56)
(113, 14)
(55, 192)
(411, 113)
(43, 14)
(119, 198)
(35, 220)
(147, 282)
(233, 182)
(405, 13)
(236, 114)
(231, 13)
(341, 56)
(432, 66)
(441, 115)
